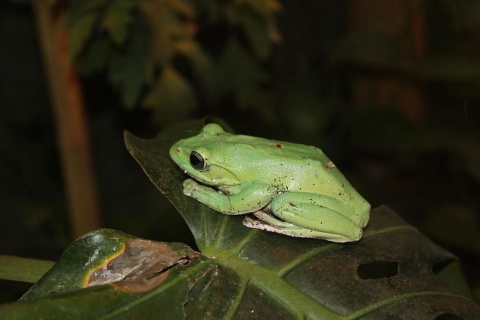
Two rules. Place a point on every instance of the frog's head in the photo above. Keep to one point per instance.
(201, 156)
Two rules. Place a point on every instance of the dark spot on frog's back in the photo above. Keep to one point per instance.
(277, 145)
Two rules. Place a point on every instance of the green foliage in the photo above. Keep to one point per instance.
(117, 20)
(148, 48)
(295, 261)
(407, 160)
(127, 71)
(23, 269)
(242, 273)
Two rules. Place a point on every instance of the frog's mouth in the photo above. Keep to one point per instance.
(213, 176)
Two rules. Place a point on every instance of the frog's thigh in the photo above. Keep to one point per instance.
(297, 209)
(269, 223)
(322, 201)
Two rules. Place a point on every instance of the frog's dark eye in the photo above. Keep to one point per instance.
(197, 161)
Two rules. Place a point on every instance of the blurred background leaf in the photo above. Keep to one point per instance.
(148, 48)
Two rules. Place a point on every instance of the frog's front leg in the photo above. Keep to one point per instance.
(234, 200)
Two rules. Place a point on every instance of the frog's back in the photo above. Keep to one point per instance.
(286, 159)
(297, 167)
(280, 149)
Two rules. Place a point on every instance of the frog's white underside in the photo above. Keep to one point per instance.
(263, 225)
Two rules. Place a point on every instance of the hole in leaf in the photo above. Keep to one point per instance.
(441, 265)
(448, 316)
(378, 270)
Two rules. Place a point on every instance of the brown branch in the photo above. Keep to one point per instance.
(68, 108)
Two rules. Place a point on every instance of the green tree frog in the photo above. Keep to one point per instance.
(291, 189)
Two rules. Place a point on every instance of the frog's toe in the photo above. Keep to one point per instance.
(188, 187)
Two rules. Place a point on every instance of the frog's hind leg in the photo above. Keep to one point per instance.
(269, 223)
(316, 213)
(307, 215)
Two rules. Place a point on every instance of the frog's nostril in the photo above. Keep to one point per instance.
(179, 150)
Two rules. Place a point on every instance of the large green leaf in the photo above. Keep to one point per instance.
(393, 272)
(394, 269)
(108, 274)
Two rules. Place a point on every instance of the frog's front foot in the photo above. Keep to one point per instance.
(189, 186)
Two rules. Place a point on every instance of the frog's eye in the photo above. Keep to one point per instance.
(197, 161)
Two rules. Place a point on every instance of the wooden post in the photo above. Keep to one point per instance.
(68, 108)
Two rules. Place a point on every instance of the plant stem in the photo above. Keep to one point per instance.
(68, 108)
